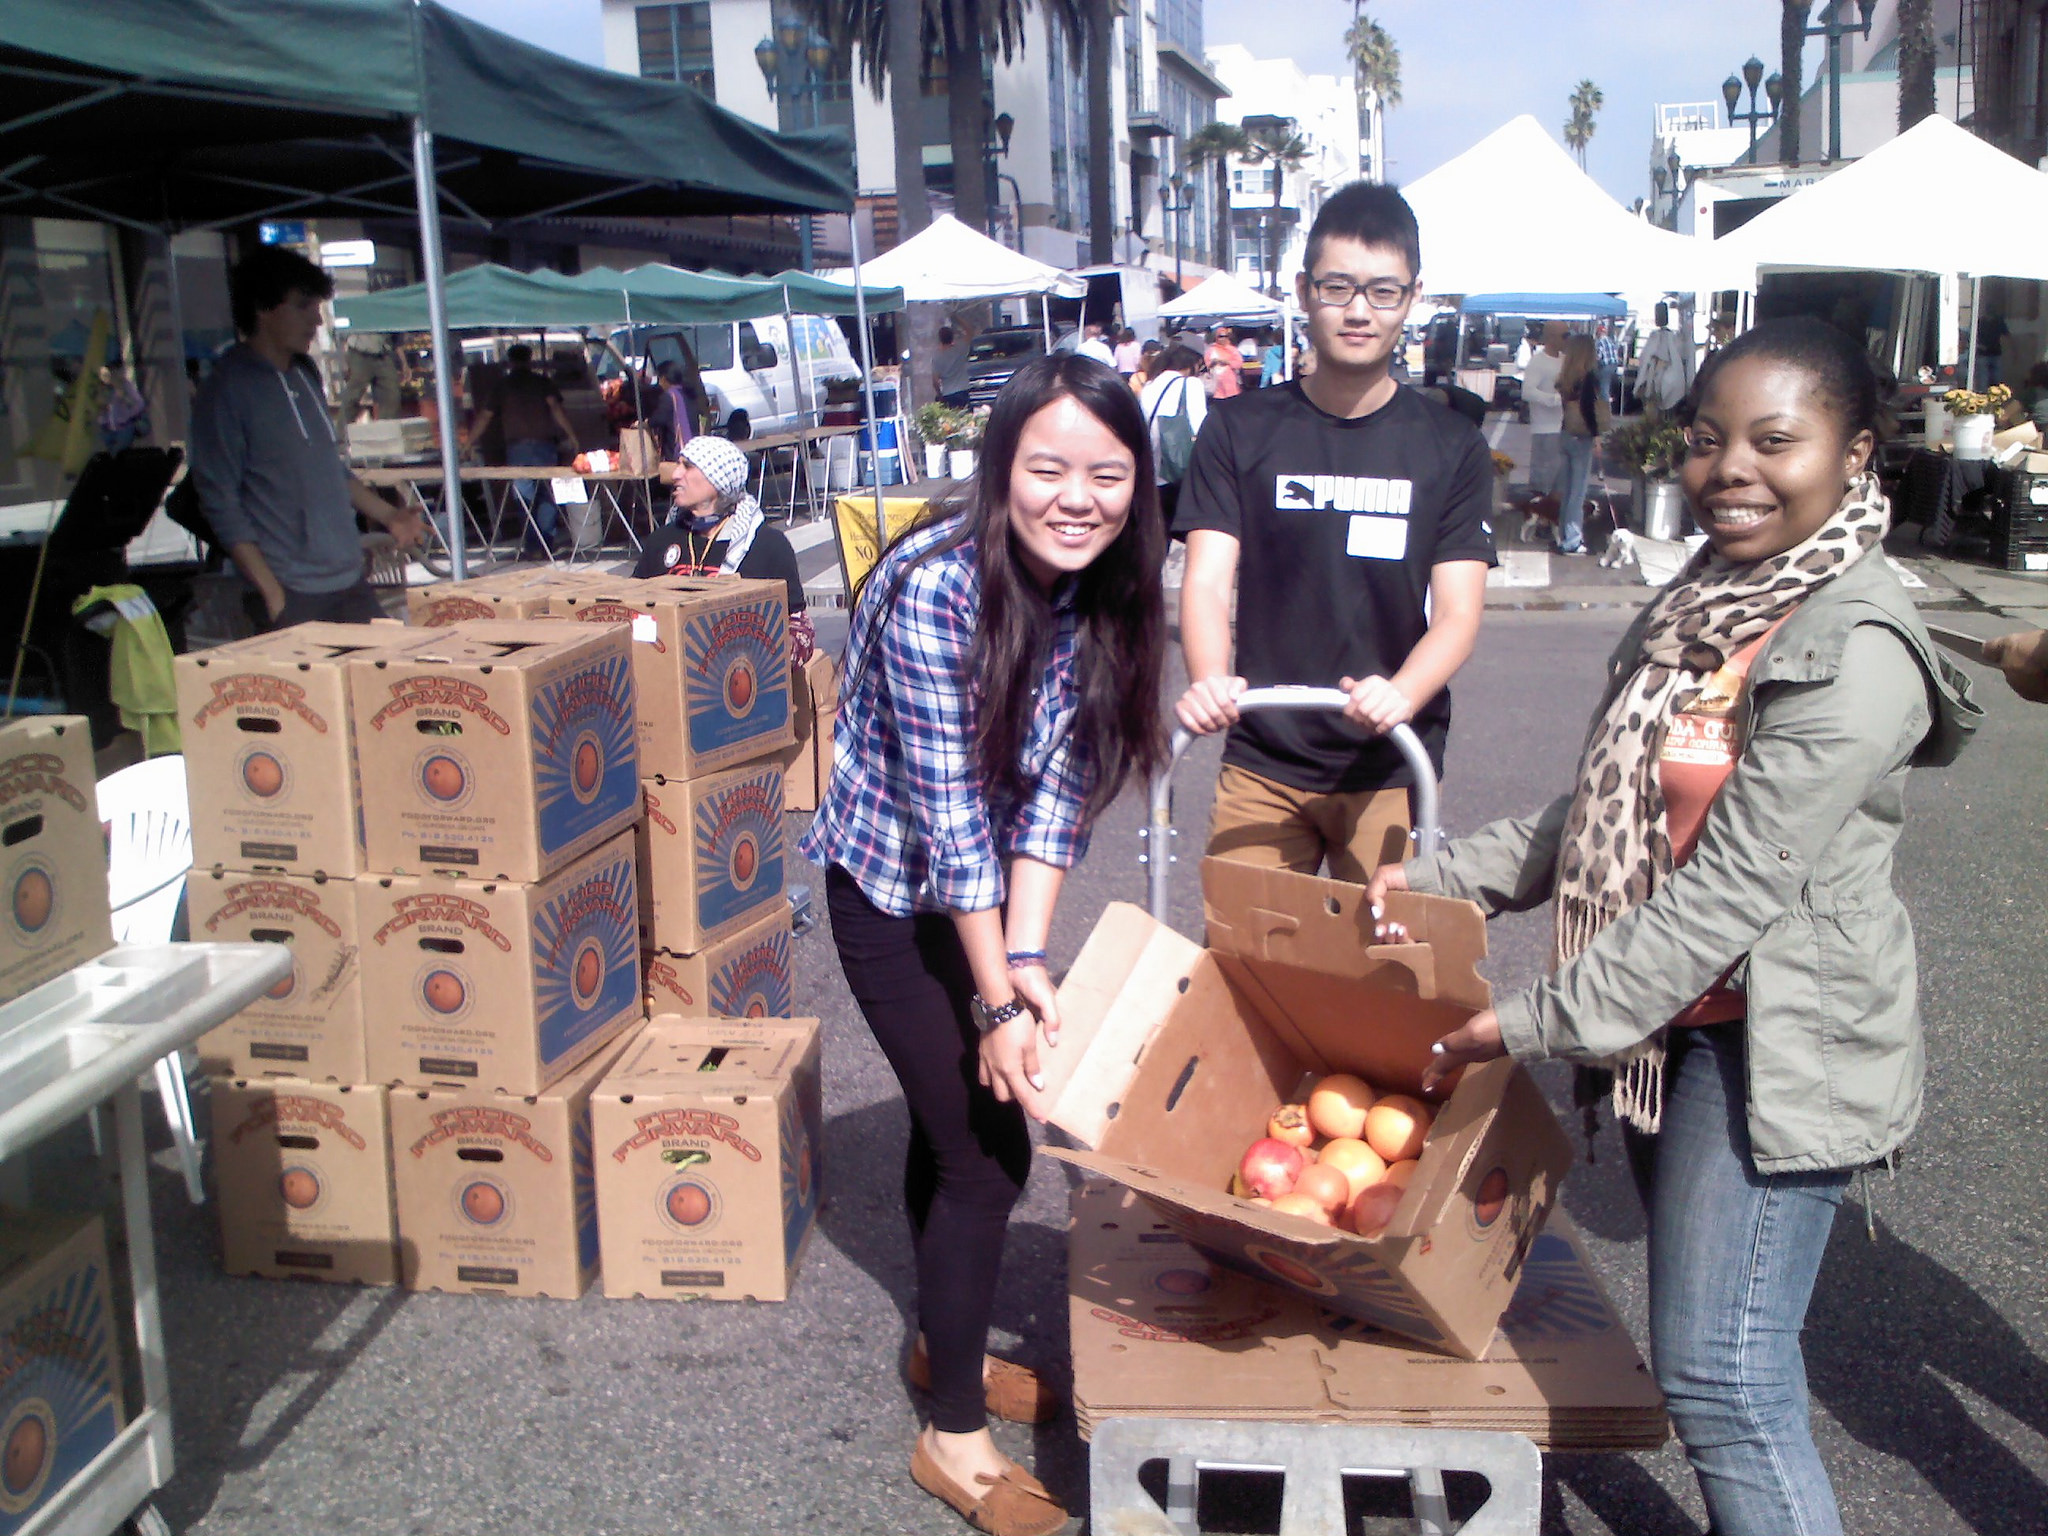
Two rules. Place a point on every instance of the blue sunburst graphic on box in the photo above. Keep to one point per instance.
(738, 836)
(1556, 1299)
(586, 957)
(59, 1409)
(736, 675)
(1348, 1281)
(583, 1188)
(756, 983)
(586, 755)
(800, 1181)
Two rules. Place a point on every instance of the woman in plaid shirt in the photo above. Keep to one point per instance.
(1003, 686)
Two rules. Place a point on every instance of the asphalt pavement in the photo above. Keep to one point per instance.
(303, 1407)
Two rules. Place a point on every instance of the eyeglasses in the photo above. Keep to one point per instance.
(1382, 293)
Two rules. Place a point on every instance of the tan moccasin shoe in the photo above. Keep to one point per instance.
(1015, 1504)
(1011, 1391)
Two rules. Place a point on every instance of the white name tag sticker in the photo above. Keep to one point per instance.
(1377, 538)
(568, 488)
(643, 628)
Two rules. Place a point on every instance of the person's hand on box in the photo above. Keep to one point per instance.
(1009, 1063)
(2023, 658)
(1388, 877)
(1475, 1040)
(1376, 704)
(1210, 705)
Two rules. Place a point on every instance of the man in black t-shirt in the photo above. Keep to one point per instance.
(1350, 514)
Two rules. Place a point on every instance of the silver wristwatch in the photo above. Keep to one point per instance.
(989, 1016)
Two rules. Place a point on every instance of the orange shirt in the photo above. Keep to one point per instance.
(1701, 748)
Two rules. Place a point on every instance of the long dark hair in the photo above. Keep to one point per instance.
(1119, 730)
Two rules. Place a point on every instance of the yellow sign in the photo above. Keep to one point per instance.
(853, 521)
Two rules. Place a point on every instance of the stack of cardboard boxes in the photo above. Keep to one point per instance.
(53, 862)
(440, 822)
(712, 673)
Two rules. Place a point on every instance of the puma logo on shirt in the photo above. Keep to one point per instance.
(1342, 493)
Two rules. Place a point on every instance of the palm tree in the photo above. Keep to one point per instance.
(1095, 37)
(1375, 59)
(1214, 144)
(1578, 129)
(1916, 61)
(1275, 142)
(1792, 69)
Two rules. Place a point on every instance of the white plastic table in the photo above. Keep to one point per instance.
(80, 1041)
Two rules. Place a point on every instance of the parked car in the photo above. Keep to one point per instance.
(1001, 350)
(751, 381)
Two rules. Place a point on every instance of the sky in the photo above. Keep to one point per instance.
(1467, 66)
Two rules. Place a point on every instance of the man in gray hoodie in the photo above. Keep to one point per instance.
(268, 462)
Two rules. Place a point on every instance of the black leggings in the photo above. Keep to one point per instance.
(969, 1154)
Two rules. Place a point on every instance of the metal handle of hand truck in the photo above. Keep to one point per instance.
(1428, 829)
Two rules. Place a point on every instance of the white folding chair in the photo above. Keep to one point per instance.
(149, 854)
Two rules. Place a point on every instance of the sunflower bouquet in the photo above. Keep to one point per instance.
(1970, 402)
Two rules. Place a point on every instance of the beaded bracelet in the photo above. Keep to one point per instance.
(1019, 958)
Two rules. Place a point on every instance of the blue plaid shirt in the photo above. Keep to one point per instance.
(1608, 350)
(904, 813)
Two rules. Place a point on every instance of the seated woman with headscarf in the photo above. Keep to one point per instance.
(716, 529)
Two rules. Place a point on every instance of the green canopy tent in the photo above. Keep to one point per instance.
(209, 113)
(485, 297)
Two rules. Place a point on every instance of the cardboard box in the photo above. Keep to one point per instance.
(310, 1024)
(747, 976)
(270, 765)
(53, 857)
(60, 1368)
(511, 594)
(498, 750)
(494, 1190)
(303, 1179)
(807, 766)
(711, 856)
(707, 1142)
(1160, 1332)
(1171, 1057)
(499, 984)
(711, 661)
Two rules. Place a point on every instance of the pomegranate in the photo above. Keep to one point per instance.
(1397, 1126)
(1270, 1167)
(1338, 1105)
(1289, 1123)
(1373, 1209)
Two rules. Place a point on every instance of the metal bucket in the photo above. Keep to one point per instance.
(1660, 509)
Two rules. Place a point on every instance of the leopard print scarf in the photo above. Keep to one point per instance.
(1616, 849)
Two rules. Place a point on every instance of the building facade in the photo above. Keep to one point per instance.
(1272, 207)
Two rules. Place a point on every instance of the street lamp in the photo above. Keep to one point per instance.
(794, 58)
(1731, 92)
(1834, 29)
(1005, 125)
(1671, 177)
(1175, 200)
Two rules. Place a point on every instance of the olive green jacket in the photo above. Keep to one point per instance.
(1792, 877)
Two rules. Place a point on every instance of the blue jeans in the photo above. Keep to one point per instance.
(539, 453)
(1733, 1256)
(1575, 471)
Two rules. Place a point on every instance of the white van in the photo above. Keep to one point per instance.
(752, 381)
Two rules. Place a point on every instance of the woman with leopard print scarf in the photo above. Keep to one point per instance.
(1728, 945)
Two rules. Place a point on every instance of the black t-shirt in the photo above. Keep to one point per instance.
(671, 550)
(520, 402)
(1339, 523)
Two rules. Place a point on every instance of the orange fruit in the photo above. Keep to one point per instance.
(1397, 1126)
(1338, 1105)
(1325, 1185)
(1400, 1173)
(1360, 1165)
(1298, 1204)
(1289, 1123)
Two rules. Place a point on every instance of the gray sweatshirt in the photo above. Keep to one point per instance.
(270, 471)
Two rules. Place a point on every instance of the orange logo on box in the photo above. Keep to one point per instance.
(41, 1335)
(38, 773)
(748, 799)
(274, 896)
(430, 691)
(663, 975)
(598, 896)
(256, 688)
(655, 815)
(709, 1124)
(293, 1109)
(442, 907)
(453, 610)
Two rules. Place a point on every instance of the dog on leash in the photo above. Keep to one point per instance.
(1620, 551)
(1539, 520)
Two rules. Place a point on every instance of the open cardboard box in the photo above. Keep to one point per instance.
(1171, 1057)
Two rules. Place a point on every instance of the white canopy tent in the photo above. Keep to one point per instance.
(1222, 297)
(946, 262)
(1514, 214)
(1935, 199)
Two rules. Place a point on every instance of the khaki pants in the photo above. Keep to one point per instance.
(1257, 821)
